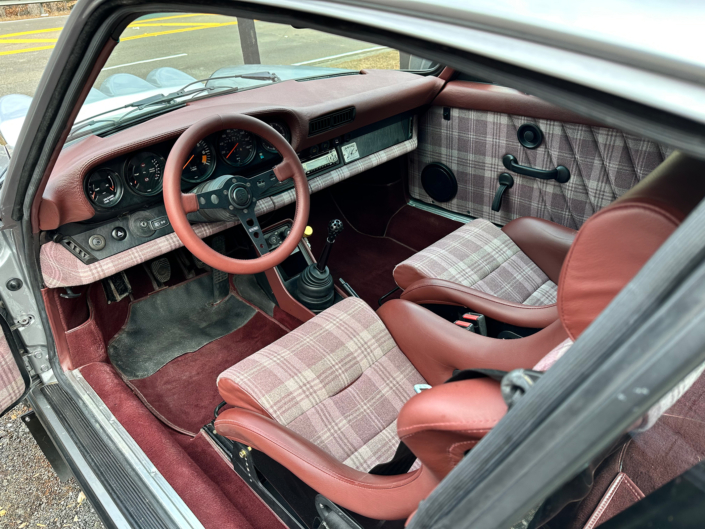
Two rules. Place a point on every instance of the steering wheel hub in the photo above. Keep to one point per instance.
(240, 196)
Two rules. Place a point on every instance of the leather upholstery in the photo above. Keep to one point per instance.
(442, 423)
(616, 242)
(441, 292)
(436, 347)
(544, 242)
(378, 497)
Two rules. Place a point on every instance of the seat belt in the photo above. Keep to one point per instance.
(513, 384)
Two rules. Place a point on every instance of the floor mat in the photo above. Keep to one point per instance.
(183, 393)
(171, 323)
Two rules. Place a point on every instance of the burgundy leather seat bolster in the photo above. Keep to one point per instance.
(442, 423)
(442, 292)
(436, 347)
(544, 242)
(378, 497)
(234, 395)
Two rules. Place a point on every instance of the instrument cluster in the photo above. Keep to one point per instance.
(127, 181)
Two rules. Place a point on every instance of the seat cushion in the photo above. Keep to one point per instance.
(481, 256)
(339, 381)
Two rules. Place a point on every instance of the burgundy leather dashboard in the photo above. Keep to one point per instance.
(375, 94)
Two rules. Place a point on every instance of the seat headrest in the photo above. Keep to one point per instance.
(616, 242)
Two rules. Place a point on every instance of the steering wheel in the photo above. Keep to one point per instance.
(235, 196)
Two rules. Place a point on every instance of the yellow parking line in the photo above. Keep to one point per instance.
(25, 41)
(178, 24)
(26, 50)
(50, 30)
(169, 32)
(137, 22)
(4, 38)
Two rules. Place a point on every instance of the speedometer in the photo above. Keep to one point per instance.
(281, 129)
(200, 163)
(236, 147)
(144, 173)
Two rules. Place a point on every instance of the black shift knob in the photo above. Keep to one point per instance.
(335, 226)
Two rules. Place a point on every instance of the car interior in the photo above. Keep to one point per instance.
(296, 299)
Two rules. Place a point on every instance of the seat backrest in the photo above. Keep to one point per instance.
(614, 244)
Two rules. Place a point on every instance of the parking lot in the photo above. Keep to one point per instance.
(197, 44)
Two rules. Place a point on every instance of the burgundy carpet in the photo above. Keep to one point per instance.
(183, 393)
(225, 502)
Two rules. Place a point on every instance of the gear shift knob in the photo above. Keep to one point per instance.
(335, 226)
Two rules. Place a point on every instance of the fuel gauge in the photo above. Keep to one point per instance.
(104, 188)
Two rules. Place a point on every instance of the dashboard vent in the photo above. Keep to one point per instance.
(331, 121)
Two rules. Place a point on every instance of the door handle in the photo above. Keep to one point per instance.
(506, 181)
(560, 174)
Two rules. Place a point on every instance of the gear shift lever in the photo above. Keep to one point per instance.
(334, 228)
(314, 286)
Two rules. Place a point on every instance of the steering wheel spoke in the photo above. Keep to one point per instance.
(249, 221)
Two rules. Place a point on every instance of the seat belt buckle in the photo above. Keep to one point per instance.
(473, 322)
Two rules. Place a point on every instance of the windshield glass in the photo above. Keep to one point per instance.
(201, 54)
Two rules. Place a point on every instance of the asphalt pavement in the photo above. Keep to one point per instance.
(194, 43)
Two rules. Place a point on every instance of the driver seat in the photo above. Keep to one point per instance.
(323, 401)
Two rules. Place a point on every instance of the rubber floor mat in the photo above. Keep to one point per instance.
(171, 323)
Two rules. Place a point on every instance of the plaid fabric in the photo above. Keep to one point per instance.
(481, 256)
(11, 383)
(604, 163)
(60, 268)
(339, 380)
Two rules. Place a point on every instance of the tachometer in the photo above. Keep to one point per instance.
(281, 129)
(200, 164)
(104, 188)
(144, 173)
(237, 147)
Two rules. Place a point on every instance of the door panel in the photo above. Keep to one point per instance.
(14, 380)
(604, 163)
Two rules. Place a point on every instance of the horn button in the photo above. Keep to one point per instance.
(240, 196)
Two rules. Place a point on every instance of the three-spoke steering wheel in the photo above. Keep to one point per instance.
(234, 194)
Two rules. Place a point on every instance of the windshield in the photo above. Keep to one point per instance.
(187, 55)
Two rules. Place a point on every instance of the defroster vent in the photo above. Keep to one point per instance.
(331, 121)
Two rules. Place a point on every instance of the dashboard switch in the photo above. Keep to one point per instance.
(96, 242)
(119, 233)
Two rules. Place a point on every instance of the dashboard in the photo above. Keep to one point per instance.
(135, 179)
(104, 196)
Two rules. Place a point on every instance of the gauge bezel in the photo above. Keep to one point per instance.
(126, 174)
(118, 182)
(286, 136)
(212, 169)
(252, 155)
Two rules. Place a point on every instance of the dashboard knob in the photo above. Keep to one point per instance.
(273, 240)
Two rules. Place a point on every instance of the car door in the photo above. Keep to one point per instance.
(472, 126)
(14, 379)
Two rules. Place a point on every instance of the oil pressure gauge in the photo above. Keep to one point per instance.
(104, 188)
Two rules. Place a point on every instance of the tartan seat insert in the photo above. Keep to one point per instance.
(481, 256)
(339, 381)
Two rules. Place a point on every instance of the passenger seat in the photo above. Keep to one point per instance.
(509, 274)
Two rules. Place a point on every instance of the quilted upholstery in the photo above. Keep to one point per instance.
(604, 163)
(339, 380)
(11, 382)
(481, 256)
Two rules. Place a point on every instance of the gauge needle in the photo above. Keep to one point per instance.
(231, 150)
(189, 161)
